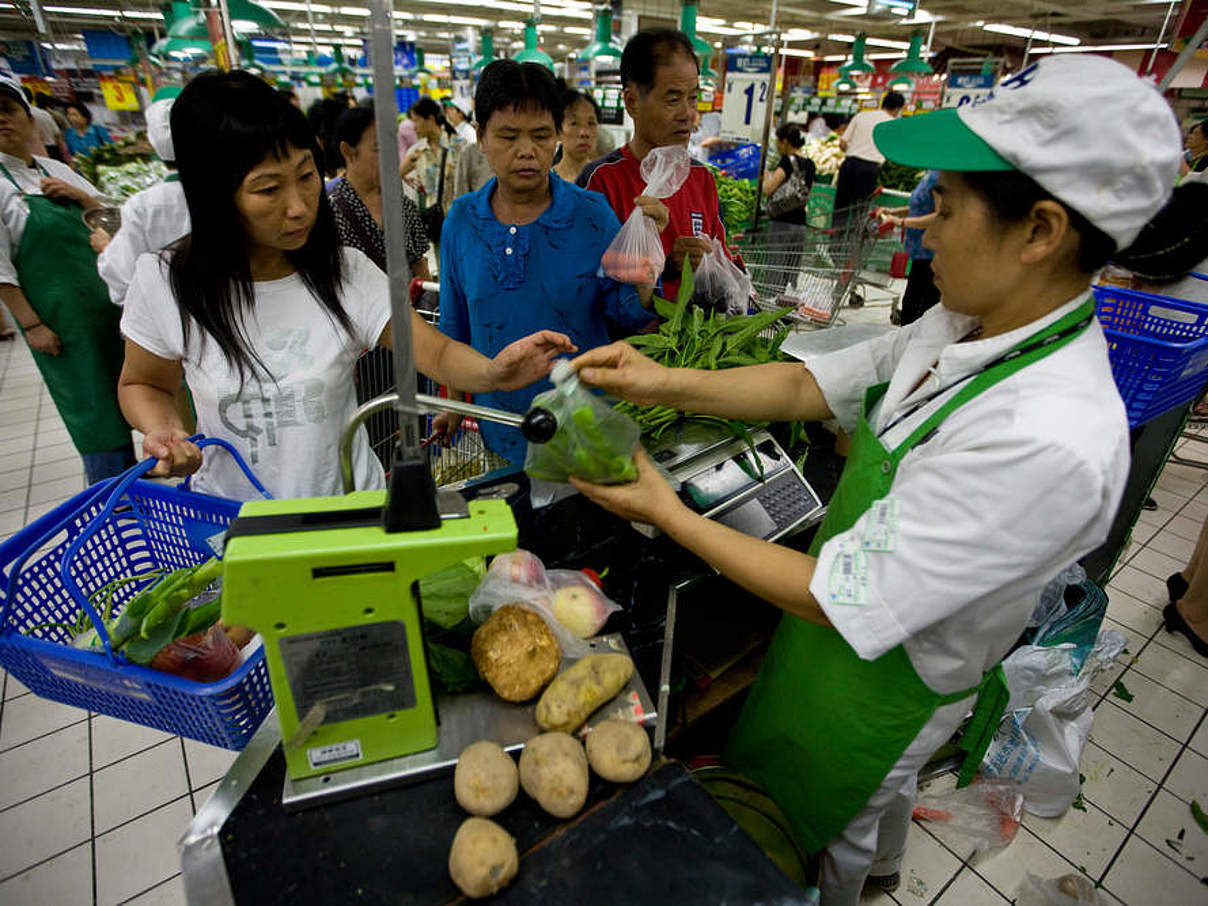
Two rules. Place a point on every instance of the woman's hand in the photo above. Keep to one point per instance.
(99, 240)
(655, 210)
(528, 359)
(649, 499)
(445, 426)
(44, 340)
(621, 370)
(177, 457)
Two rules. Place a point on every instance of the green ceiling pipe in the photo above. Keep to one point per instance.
(857, 62)
(488, 49)
(604, 44)
(532, 53)
(914, 62)
(703, 49)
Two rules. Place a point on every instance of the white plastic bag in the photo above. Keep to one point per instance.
(986, 814)
(1040, 741)
(520, 578)
(636, 254)
(740, 303)
(714, 288)
(1073, 889)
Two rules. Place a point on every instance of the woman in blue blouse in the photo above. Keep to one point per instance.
(84, 135)
(920, 293)
(525, 249)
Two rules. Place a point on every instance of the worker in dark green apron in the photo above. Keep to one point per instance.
(49, 281)
(990, 451)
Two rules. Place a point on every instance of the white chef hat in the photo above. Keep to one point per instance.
(159, 129)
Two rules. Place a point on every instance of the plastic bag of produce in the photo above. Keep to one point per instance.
(1040, 741)
(520, 578)
(985, 814)
(635, 254)
(593, 441)
(579, 602)
(204, 657)
(714, 287)
(1073, 889)
(740, 302)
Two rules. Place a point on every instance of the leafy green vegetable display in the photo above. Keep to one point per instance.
(737, 197)
(898, 177)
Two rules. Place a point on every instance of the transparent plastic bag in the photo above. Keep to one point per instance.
(204, 657)
(593, 441)
(520, 578)
(636, 254)
(714, 287)
(740, 302)
(1073, 889)
(986, 814)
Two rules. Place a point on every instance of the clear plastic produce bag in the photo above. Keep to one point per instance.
(635, 254)
(593, 441)
(1073, 889)
(985, 814)
(740, 302)
(571, 604)
(714, 287)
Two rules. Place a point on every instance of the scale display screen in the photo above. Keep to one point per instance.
(716, 484)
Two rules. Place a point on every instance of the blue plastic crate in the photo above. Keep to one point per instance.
(1158, 348)
(116, 528)
(741, 162)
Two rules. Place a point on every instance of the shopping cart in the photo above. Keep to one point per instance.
(467, 456)
(815, 271)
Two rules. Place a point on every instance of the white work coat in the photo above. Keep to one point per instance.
(151, 220)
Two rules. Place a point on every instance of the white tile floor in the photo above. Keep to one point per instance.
(91, 807)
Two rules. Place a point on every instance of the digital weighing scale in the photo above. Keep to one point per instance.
(760, 493)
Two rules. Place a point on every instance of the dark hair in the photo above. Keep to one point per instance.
(1012, 194)
(569, 97)
(1175, 241)
(892, 101)
(649, 49)
(1202, 125)
(791, 133)
(226, 123)
(84, 111)
(322, 116)
(353, 123)
(428, 109)
(506, 84)
(834, 120)
(287, 93)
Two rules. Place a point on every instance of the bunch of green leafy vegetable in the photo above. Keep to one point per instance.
(688, 338)
(153, 618)
(737, 199)
(898, 177)
(445, 603)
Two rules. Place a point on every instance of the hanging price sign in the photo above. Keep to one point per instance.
(118, 94)
(748, 92)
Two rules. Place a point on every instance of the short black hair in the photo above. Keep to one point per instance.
(84, 111)
(791, 133)
(428, 109)
(506, 84)
(353, 123)
(288, 93)
(893, 101)
(571, 96)
(1011, 195)
(1175, 241)
(649, 49)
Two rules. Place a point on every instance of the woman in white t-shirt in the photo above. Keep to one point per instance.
(264, 313)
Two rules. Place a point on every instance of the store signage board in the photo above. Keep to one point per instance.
(748, 92)
(968, 88)
(611, 104)
(118, 94)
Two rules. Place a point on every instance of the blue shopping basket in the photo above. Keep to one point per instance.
(117, 528)
(1158, 346)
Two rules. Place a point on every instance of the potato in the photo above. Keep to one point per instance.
(485, 780)
(515, 652)
(618, 750)
(553, 770)
(483, 858)
(573, 695)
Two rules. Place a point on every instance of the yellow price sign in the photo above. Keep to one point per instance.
(119, 94)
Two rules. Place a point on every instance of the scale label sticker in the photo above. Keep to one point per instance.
(349, 673)
(881, 526)
(849, 578)
(334, 753)
(217, 542)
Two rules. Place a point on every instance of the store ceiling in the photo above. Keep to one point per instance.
(823, 27)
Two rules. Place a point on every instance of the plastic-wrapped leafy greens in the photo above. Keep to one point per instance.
(593, 442)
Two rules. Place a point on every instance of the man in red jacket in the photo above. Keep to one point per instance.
(660, 77)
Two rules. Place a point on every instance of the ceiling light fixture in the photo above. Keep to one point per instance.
(1015, 31)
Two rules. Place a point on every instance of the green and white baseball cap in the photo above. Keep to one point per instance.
(1086, 128)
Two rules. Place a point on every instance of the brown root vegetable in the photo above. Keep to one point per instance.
(515, 652)
(485, 780)
(553, 771)
(483, 859)
(578, 691)
(618, 750)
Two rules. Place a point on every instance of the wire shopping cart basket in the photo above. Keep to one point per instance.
(467, 456)
(815, 271)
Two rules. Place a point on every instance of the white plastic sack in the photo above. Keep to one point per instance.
(714, 287)
(1073, 889)
(1040, 741)
(636, 254)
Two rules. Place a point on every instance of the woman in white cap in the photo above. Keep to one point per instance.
(49, 282)
(151, 219)
(990, 452)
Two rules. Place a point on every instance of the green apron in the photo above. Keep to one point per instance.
(56, 268)
(822, 728)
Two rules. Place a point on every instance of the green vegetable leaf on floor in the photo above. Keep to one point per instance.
(1200, 817)
(1120, 691)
